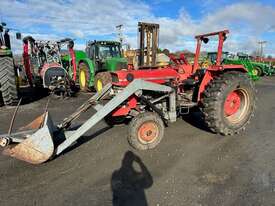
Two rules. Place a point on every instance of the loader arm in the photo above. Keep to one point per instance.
(103, 111)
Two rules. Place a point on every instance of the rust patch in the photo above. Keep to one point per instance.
(39, 146)
(35, 124)
(27, 152)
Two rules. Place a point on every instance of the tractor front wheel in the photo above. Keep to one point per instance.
(229, 103)
(146, 131)
(258, 71)
(101, 80)
(84, 76)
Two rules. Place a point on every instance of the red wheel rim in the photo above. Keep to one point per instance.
(232, 103)
(148, 131)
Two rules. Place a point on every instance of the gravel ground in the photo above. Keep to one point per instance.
(190, 167)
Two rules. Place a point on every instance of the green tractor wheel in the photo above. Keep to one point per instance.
(84, 76)
(8, 86)
(101, 80)
(257, 71)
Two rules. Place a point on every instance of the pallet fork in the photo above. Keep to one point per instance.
(37, 143)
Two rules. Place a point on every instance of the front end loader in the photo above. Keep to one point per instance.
(152, 99)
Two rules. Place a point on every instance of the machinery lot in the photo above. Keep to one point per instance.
(191, 166)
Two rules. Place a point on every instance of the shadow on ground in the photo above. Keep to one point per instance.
(32, 94)
(195, 118)
(83, 139)
(129, 182)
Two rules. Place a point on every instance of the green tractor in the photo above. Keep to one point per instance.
(254, 69)
(93, 65)
(8, 71)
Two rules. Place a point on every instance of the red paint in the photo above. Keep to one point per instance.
(46, 67)
(180, 60)
(159, 76)
(27, 62)
(221, 35)
(197, 56)
(232, 103)
(72, 54)
(148, 131)
(206, 79)
(211, 34)
(125, 109)
(130, 67)
(220, 46)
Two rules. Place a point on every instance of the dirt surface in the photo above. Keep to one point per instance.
(190, 167)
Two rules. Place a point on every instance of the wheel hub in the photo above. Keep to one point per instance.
(148, 132)
(255, 72)
(99, 85)
(232, 103)
(82, 79)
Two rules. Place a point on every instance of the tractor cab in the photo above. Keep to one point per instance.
(210, 59)
(5, 43)
(106, 55)
(4, 37)
(212, 56)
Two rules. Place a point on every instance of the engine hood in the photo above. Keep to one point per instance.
(115, 63)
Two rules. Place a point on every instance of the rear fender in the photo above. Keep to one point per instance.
(210, 74)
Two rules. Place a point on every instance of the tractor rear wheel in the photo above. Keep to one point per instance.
(229, 103)
(146, 131)
(8, 86)
(101, 80)
(84, 76)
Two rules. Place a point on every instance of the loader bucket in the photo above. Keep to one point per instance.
(37, 147)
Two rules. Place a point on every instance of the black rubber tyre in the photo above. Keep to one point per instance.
(8, 86)
(83, 69)
(146, 130)
(215, 99)
(101, 80)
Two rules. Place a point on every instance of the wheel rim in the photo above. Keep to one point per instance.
(82, 79)
(236, 105)
(148, 132)
(99, 85)
(255, 72)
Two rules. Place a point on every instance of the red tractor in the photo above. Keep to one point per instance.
(224, 93)
(150, 97)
